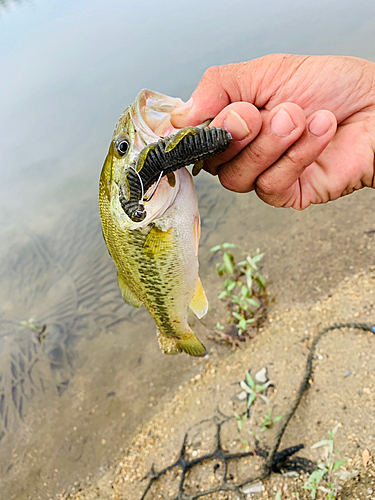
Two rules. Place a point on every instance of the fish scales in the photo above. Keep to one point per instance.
(156, 258)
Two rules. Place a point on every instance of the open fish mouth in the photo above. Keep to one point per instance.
(151, 115)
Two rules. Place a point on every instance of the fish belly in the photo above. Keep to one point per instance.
(159, 263)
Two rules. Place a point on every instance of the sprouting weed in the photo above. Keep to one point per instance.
(244, 288)
(254, 390)
(255, 393)
(30, 324)
(269, 420)
(240, 420)
(219, 326)
(326, 477)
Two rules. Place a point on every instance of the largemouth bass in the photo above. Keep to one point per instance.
(150, 219)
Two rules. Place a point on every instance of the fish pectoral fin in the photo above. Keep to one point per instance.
(197, 167)
(157, 242)
(127, 294)
(190, 344)
(199, 304)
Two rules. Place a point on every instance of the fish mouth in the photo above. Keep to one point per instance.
(151, 115)
(162, 150)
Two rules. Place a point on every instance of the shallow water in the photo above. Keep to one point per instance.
(72, 398)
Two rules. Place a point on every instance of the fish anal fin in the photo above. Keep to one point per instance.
(199, 303)
(157, 241)
(127, 294)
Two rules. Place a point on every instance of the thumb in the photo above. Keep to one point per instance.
(218, 87)
(255, 82)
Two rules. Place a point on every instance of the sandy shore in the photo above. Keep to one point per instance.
(342, 392)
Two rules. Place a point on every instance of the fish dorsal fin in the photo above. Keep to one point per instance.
(199, 304)
(127, 294)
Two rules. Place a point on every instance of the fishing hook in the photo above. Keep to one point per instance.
(155, 188)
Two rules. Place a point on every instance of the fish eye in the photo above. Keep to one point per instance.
(122, 146)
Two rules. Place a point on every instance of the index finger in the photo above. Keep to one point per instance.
(243, 121)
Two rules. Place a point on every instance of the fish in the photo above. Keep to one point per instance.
(149, 214)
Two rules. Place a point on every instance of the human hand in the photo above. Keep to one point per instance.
(303, 126)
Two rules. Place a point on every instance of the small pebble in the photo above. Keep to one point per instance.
(240, 396)
(261, 375)
(253, 488)
(348, 373)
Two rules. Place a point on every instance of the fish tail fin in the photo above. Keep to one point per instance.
(187, 342)
(169, 345)
(190, 344)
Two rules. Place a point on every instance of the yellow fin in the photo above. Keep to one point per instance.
(171, 179)
(199, 304)
(157, 241)
(127, 294)
(197, 167)
(192, 345)
(169, 345)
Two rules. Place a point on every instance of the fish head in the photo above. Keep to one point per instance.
(143, 123)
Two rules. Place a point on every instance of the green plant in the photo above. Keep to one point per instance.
(269, 420)
(240, 420)
(243, 289)
(255, 394)
(32, 326)
(328, 468)
(254, 390)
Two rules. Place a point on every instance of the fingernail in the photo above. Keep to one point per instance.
(282, 124)
(236, 125)
(320, 124)
(184, 108)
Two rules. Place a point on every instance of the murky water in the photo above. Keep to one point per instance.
(79, 369)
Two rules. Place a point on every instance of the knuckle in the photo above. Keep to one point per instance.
(212, 73)
(265, 186)
(293, 158)
(255, 155)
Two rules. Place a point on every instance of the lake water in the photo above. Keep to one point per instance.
(72, 396)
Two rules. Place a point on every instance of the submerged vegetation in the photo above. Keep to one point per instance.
(243, 291)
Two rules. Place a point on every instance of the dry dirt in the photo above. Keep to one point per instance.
(341, 392)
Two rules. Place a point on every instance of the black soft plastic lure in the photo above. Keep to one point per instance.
(189, 145)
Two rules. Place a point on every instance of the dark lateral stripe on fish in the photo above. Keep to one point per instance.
(193, 144)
